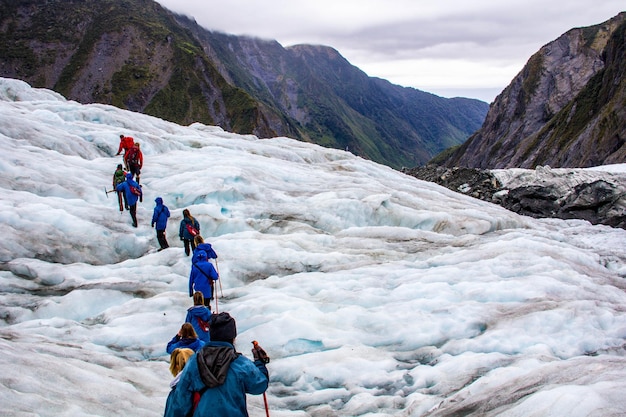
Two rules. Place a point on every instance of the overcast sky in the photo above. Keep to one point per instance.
(447, 47)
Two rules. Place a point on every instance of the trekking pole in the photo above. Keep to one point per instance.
(258, 352)
(218, 274)
(217, 310)
(267, 408)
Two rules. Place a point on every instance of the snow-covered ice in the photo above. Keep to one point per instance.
(375, 294)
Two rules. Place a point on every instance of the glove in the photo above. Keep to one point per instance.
(152, 224)
(258, 353)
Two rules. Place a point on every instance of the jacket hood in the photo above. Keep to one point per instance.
(129, 176)
(159, 201)
(214, 361)
(199, 311)
(206, 247)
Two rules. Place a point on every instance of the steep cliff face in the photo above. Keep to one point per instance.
(563, 109)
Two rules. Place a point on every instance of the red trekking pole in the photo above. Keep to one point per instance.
(259, 354)
(267, 409)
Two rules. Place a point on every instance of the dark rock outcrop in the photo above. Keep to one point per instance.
(597, 197)
(477, 183)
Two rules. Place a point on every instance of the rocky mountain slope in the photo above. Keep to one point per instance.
(139, 56)
(566, 108)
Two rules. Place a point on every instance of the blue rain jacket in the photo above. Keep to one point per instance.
(178, 342)
(183, 233)
(199, 312)
(201, 272)
(226, 399)
(206, 248)
(160, 215)
(125, 186)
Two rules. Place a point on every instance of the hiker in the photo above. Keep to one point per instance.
(126, 142)
(201, 245)
(220, 374)
(134, 160)
(133, 192)
(201, 278)
(199, 316)
(119, 176)
(189, 228)
(185, 338)
(178, 360)
(159, 217)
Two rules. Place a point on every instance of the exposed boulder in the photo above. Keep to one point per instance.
(533, 200)
(478, 183)
(596, 196)
(597, 202)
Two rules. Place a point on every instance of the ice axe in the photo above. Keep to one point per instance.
(108, 191)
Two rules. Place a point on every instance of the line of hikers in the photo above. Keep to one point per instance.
(126, 177)
(210, 377)
(129, 192)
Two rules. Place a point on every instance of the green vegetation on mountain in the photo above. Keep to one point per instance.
(136, 55)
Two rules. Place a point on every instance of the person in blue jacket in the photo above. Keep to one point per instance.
(201, 278)
(185, 338)
(220, 374)
(159, 217)
(133, 192)
(199, 316)
(201, 245)
(187, 224)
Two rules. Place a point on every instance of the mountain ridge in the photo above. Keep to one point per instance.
(139, 56)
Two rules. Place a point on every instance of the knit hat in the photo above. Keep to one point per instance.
(222, 328)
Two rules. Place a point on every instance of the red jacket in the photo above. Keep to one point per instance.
(130, 154)
(126, 143)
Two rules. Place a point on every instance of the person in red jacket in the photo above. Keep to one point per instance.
(126, 142)
(134, 160)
